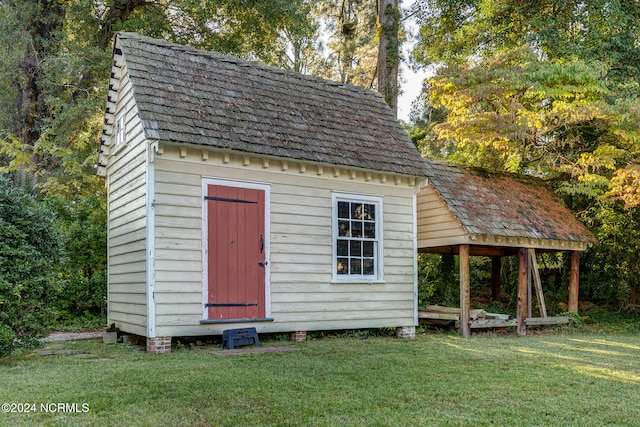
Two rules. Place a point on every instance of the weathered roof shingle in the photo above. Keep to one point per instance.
(186, 95)
(498, 204)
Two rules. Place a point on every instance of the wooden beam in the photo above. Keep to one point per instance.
(535, 272)
(558, 320)
(465, 291)
(522, 292)
(473, 250)
(574, 281)
(493, 323)
(496, 264)
(448, 313)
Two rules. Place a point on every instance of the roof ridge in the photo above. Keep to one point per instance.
(487, 172)
(241, 61)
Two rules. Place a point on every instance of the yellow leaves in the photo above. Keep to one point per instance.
(603, 157)
(598, 174)
(19, 153)
(625, 186)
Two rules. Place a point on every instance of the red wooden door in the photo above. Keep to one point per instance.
(236, 258)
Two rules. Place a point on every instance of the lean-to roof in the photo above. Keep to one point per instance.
(496, 208)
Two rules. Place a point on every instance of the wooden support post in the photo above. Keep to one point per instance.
(529, 286)
(522, 292)
(465, 291)
(574, 281)
(535, 272)
(496, 262)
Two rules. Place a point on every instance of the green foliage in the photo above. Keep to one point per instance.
(428, 278)
(547, 88)
(611, 272)
(453, 31)
(439, 278)
(31, 256)
(7, 340)
(84, 289)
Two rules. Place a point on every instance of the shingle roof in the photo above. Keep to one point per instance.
(495, 204)
(187, 95)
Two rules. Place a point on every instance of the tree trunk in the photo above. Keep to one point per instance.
(389, 51)
(119, 12)
(40, 23)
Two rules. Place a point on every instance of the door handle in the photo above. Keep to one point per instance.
(263, 264)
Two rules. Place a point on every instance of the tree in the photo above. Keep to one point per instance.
(27, 37)
(547, 88)
(388, 51)
(31, 255)
(352, 55)
(453, 31)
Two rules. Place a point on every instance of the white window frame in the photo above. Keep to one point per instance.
(377, 276)
(120, 130)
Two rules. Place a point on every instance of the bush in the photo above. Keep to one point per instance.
(83, 294)
(31, 258)
(7, 340)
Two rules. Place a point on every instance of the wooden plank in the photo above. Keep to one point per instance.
(448, 313)
(535, 272)
(493, 323)
(558, 320)
(497, 316)
(438, 316)
(442, 309)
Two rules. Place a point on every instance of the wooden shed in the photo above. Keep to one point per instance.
(241, 195)
(473, 212)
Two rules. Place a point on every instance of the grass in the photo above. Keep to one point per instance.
(562, 377)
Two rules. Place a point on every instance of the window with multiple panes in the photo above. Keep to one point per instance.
(357, 238)
(120, 130)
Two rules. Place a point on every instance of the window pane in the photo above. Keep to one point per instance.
(370, 230)
(343, 229)
(343, 247)
(343, 209)
(356, 210)
(356, 266)
(343, 266)
(356, 229)
(367, 249)
(370, 212)
(356, 248)
(367, 266)
(356, 245)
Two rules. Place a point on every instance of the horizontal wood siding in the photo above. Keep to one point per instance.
(302, 293)
(436, 223)
(127, 194)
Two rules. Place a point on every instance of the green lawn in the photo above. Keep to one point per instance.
(553, 379)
